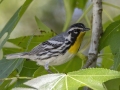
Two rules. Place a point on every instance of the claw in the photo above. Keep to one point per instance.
(46, 66)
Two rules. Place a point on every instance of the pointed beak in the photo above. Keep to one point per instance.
(86, 29)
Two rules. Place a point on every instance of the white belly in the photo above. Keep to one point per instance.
(56, 60)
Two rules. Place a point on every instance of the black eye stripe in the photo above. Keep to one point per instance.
(75, 30)
(69, 32)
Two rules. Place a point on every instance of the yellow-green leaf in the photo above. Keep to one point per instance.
(92, 78)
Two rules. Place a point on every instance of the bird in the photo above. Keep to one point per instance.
(57, 50)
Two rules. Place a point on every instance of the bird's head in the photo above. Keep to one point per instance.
(76, 28)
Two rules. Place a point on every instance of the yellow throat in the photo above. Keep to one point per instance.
(75, 47)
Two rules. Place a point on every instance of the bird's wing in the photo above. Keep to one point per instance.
(49, 47)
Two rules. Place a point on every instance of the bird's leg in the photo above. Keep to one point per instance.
(46, 66)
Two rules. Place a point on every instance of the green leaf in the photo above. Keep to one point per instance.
(116, 60)
(81, 3)
(92, 78)
(9, 81)
(113, 84)
(107, 58)
(72, 65)
(42, 27)
(23, 41)
(29, 67)
(7, 66)
(106, 24)
(5, 84)
(11, 50)
(111, 37)
(69, 8)
(13, 21)
(49, 81)
(23, 89)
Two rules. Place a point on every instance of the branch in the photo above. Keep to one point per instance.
(96, 31)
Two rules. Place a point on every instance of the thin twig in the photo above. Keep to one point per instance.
(111, 5)
(85, 12)
(108, 15)
(15, 78)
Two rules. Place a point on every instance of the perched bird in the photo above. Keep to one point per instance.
(57, 50)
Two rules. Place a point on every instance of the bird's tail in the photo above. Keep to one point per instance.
(16, 55)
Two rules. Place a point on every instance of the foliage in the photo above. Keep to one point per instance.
(110, 37)
(92, 78)
(20, 73)
(13, 21)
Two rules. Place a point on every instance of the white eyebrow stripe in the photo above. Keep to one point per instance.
(71, 29)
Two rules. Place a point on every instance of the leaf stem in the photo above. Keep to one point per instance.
(16, 78)
(111, 5)
(85, 12)
(108, 15)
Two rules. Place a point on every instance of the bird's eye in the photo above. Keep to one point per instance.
(75, 31)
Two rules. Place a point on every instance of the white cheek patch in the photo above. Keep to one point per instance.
(69, 37)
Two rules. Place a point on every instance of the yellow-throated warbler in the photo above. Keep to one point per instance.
(56, 50)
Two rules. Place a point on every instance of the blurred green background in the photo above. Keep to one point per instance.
(50, 12)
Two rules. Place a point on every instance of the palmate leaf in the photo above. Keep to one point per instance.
(92, 77)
